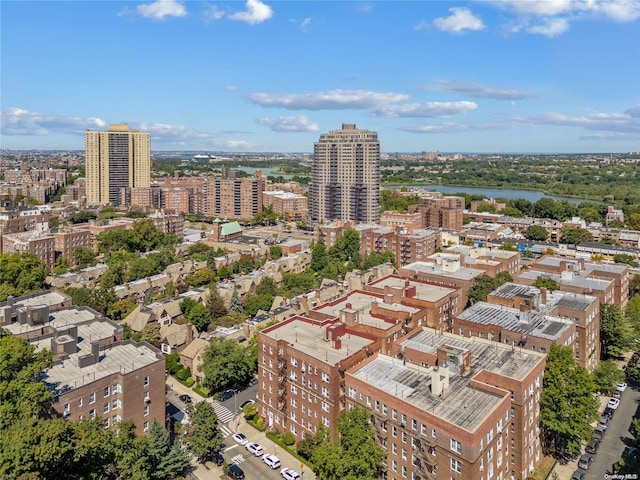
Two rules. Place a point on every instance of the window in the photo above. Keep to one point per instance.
(325, 377)
(146, 381)
(80, 402)
(92, 398)
(394, 414)
(352, 392)
(433, 433)
(67, 409)
(456, 446)
(414, 424)
(147, 396)
(92, 414)
(105, 408)
(105, 392)
(456, 466)
(146, 410)
(145, 426)
(394, 449)
(394, 466)
(404, 437)
(294, 362)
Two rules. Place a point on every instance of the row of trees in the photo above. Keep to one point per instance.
(21, 274)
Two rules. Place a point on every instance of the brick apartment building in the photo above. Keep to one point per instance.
(410, 221)
(408, 246)
(445, 406)
(41, 244)
(617, 273)
(290, 205)
(583, 310)
(235, 198)
(95, 373)
(440, 212)
(68, 238)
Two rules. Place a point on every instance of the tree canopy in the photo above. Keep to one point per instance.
(615, 332)
(203, 434)
(20, 274)
(568, 404)
(536, 232)
(355, 455)
(225, 363)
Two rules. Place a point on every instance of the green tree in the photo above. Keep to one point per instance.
(215, 304)
(482, 286)
(633, 314)
(21, 395)
(626, 259)
(347, 247)
(84, 257)
(568, 404)
(199, 317)
(548, 283)
(615, 332)
(235, 305)
(536, 232)
(267, 287)
(62, 265)
(165, 461)
(151, 333)
(129, 453)
(20, 274)
(355, 455)
(319, 256)
(225, 363)
(544, 208)
(374, 259)
(82, 217)
(296, 283)
(203, 434)
(574, 235)
(606, 375)
(634, 285)
(275, 252)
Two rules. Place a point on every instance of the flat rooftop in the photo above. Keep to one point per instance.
(588, 266)
(87, 333)
(309, 338)
(49, 298)
(461, 273)
(361, 302)
(573, 301)
(60, 318)
(121, 357)
(512, 319)
(426, 292)
(572, 280)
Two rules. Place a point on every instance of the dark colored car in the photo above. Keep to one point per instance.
(598, 433)
(593, 445)
(585, 461)
(215, 457)
(236, 472)
(226, 395)
(577, 475)
(608, 412)
(185, 398)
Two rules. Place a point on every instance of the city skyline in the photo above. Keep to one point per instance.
(508, 76)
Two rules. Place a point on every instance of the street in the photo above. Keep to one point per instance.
(617, 436)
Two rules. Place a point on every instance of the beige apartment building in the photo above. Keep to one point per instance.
(290, 205)
(235, 198)
(114, 159)
(345, 176)
(40, 244)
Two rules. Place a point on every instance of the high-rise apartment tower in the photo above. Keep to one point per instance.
(345, 178)
(114, 159)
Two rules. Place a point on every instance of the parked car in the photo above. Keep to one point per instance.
(185, 398)
(604, 422)
(289, 474)
(226, 395)
(577, 475)
(585, 461)
(616, 394)
(247, 402)
(598, 433)
(271, 461)
(255, 448)
(621, 387)
(613, 403)
(240, 438)
(215, 457)
(236, 472)
(592, 446)
(608, 412)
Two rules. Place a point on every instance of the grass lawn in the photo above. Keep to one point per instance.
(544, 469)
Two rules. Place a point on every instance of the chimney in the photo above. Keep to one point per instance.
(543, 296)
(439, 380)
(337, 344)
(95, 350)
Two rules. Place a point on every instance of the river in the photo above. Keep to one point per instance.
(531, 195)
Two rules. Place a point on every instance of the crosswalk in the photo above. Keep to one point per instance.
(223, 413)
(238, 459)
(225, 431)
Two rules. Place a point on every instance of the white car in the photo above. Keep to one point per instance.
(240, 438)
(613, 403)
(271, 460)
(255, 448)
(621, 387)
(289, 474)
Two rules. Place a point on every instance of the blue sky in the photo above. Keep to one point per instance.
(482, 76)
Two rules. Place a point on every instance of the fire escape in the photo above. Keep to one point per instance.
(282, 382)
(379, 423)
(424, 453)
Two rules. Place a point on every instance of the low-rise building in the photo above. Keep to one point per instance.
(40, 244)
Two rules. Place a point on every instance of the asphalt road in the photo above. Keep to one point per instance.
(617, 436)
(240, 397)
(253, 467)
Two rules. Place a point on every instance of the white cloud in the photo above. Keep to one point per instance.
(461, 19)
(429, 109)
(17, 121)
(231, 88)
(551, 27)
(256, 12)
(614, 122)
(449, 127)
(211, 13)
(477, 90)
(296, 123)
(305, 23)
(160, 9)
(329, 100)
(633, 112)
